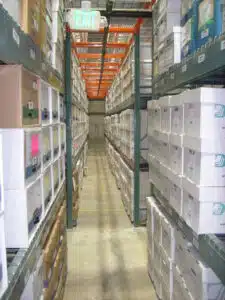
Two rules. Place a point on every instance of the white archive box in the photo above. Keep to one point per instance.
(165, 293)
(176, 191)
(165, 114)
(154, 171)
(204, 208)
(47, 186)
(204, 161)
(62, 168)
(177, 114)
(54, 105)
(17, 144)
(157, 279)
(56, 176)
(201, 281)
(45, 94)
(176, 153)
(167, 26)
(46, 146)
(157, 217)
(62, 109)
(164, 186)
(57, 27)
(182, 246)
(204, 110)
(164, 148)
(26, 207)
(151, 205)
(180, 290)
(168, 239)
(3, 259)
(55, 140)
(1, 177)
(62, 137)
(167, 273)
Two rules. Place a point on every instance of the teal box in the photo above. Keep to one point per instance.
(209, 20)
(188, 26)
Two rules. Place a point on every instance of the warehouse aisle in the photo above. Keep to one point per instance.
(106, 255)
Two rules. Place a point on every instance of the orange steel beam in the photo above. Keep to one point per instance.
(98, 74)
(98, 55)
(96, 97)
(97, 71)
(97, 64)
(112, 29)
(99, 45)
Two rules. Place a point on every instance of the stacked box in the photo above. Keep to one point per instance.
(125, 182)
(3, 261)
(186, 161)
(188, 26)
(209, 20)
(175, 266)
(31, 122)
(167, 35)
(55, 257)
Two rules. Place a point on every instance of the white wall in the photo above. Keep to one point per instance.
(96, 119)
(96, 126)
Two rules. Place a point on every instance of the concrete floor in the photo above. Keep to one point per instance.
(107, 257)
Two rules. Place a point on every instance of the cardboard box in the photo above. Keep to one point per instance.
(182, 247)
(180, 290)
(176, 153)
(201, 281)
(31, 16)
(176, 191)
(19, 105)
(177, 114)
(165, 114)
(50, 252)
(203, 208)
(75, 211)
(167, 274)
(204, 112)
(168, 239)
(204, 161)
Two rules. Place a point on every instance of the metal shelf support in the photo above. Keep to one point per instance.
(137, 130)
(68, 99)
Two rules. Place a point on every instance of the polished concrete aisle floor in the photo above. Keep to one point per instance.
(107, 257)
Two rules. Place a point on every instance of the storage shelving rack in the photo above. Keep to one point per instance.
(206, 66)
(136, 101)
(19, 48)
(99, 68)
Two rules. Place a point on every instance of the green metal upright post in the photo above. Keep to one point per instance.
(68, 98)
(137, 131)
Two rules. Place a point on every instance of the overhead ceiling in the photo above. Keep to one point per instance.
(96, 71)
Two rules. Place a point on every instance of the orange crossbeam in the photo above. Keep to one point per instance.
(98, 64)
(94, 97)
(112, 29)
(99, 55)
(98, 75)
(98, 71)
(93, 86)
(99, 45)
